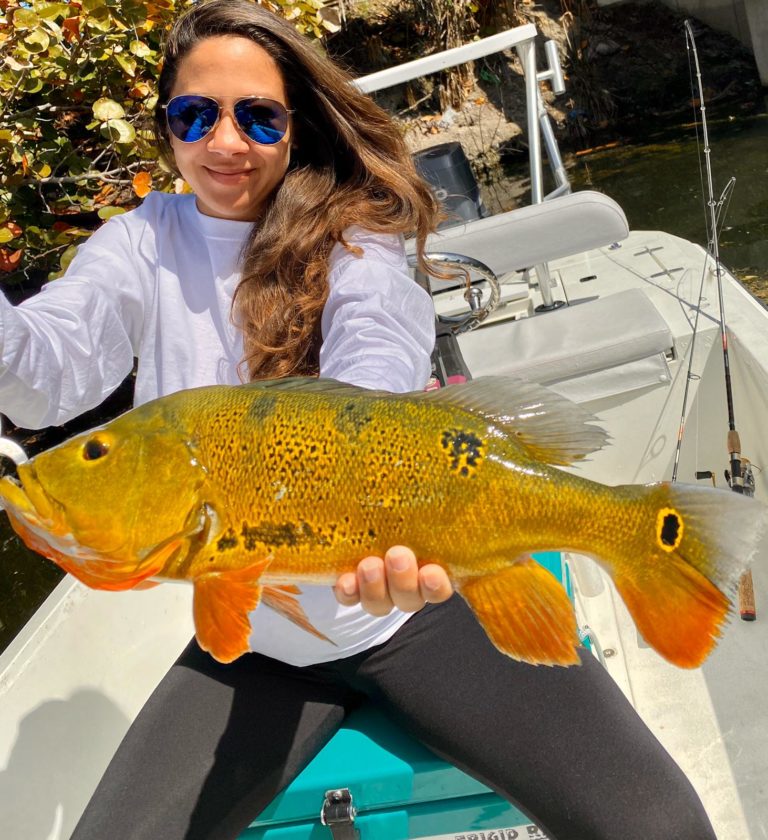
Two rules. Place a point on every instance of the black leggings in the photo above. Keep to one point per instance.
(215, 743)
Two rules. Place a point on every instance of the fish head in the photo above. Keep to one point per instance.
(112, 506)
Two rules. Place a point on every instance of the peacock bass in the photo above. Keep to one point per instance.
(248, 491)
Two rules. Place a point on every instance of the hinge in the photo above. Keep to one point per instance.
(338, 814)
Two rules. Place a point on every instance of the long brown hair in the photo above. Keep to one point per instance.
(350, 166)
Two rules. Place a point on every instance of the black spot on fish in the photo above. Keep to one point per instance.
(465, 450)
(670, 530)
(283, 533)
(353, 418)
(262, 407)
(227, 541)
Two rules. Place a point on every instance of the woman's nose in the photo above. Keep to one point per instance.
(225, 137)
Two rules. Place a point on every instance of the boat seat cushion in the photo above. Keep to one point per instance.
(535, 234)
(585, 351)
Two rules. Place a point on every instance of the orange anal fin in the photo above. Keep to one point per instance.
(281, 600)
(680, 613)
(221, 603)
(526, 614)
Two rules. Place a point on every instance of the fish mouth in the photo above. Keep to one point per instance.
(27, 500)
(41, 522)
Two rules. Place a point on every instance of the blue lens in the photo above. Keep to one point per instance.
(190, 118)
(263, 120)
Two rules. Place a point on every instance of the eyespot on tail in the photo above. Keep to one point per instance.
(698, 542)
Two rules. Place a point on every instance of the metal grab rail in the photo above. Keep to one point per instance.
(522, 38)
(478, 311)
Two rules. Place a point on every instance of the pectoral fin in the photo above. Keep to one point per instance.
(221, 604)
(281, 600)
(526, 614)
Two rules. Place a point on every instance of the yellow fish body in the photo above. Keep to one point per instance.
(247, 491)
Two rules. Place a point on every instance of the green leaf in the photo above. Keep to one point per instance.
(37, 41)
(108, 212)
(67, 257)
(49, 11)
(5, 235)
(107, 109)
(25, 19)
(118, 130)
(32, 84)
(127, 63)
(140, 49)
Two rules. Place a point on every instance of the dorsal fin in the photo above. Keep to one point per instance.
(550, 427)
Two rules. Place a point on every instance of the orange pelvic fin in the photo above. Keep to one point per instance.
(678, 612)
(526, 614)
(221, 603)
(281, 600)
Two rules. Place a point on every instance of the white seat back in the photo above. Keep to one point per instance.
(536, 234)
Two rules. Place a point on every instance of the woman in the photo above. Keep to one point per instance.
(302, 192)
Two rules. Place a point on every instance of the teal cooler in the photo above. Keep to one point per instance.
(399, 789)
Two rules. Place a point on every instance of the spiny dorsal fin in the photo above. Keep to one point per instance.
(550, 427)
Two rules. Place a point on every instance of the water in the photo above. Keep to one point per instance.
(657, 182)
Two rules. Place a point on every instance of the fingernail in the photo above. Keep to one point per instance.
(371, 573)
(348, 587)
(398, 562)
(431, 583)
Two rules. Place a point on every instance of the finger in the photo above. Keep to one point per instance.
(346, 590)
(403, 578)
(372, 584)
(434, 584)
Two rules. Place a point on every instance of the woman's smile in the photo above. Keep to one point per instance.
(229, 176)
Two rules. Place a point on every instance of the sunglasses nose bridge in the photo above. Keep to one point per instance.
(226, 133)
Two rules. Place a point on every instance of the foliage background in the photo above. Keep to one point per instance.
(77, 91)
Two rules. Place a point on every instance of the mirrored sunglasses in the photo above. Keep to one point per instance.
(190, 117)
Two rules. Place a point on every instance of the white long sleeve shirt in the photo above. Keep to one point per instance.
(156, 284)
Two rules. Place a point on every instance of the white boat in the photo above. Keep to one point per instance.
(80, 670)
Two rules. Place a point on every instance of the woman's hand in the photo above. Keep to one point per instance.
(394, 581)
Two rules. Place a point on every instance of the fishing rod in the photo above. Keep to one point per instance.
(739, 476)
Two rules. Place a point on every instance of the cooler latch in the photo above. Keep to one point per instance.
(338, 814)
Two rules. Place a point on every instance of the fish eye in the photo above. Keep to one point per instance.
(94, 449)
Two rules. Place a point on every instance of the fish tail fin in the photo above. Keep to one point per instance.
(697, 542)
(526, 613)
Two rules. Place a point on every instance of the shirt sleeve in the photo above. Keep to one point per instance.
(66, 349)
(378, 324)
